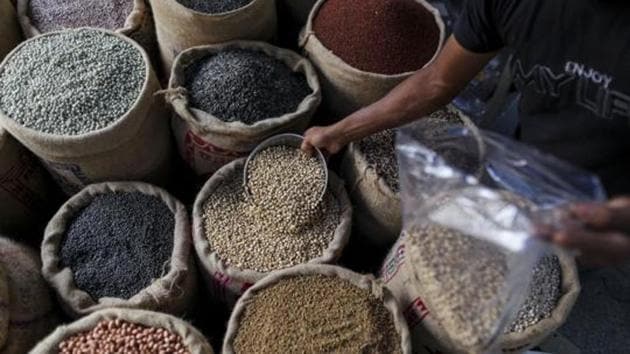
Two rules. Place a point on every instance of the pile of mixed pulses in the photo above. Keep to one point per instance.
(282, 223)
(72, 82)
(316, 314)
(118, 244)
(461, 273)
(244, 85)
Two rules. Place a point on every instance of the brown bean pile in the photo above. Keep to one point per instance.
(316, 314)
(119, 336)
(263, 237)
(459, 274)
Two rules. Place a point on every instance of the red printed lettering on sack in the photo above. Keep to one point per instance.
(220, 283)
(196, 146)
(393, 263)
(416, 312)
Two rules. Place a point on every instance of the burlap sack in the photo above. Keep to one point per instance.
(10, 34)
(226, 283)
(173, 293)
(299, 10)
(179, 28)
(27, 308)
(205, 141)
(137, 146)
(362, 281)
(139, 24)
(194, 341)
(25, 189)
(345, 88)
(428, 336)
(377, 212)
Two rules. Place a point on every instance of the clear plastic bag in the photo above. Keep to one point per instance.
(472, 201)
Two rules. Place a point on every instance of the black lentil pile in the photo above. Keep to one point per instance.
(118, 244)
(53, 15)
(244, 85)
(214, 6)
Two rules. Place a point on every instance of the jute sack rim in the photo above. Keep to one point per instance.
(209, 257)
(78, 302)
(101, 140)
(218, 15)
(570, 289)
(134, 20)
(308, 34)
(194, 341)
(367, 172)
(367, 282)
(206, 123)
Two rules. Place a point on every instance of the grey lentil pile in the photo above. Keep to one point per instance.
(246, 238)
(214, 6)
(72, 82)
(316, 314)
(380, 149)
(457, 274)
(294, 197)
(543, 296)
(380, 152)
(53, 15)
(118, 336)
(118, 244)
(244, 85)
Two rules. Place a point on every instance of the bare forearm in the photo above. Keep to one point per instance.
(419, 95)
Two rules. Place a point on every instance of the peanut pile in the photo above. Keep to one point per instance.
(119, 336)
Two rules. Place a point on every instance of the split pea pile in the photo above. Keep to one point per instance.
(72, 82)
(379, 149)
(316, 314)
(53, 15)
(244, 85)
(118, 244)
(214, 6)
(253, 235)
(118, 336)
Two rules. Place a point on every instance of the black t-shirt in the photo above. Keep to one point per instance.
(572, 66)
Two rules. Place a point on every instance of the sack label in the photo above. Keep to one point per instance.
(227, 289)
(393, 263)
(205, 157)
(70, 177)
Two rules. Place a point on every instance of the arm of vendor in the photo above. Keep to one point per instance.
(572, 68)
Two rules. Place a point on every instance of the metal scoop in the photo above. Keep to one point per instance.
(293, 140)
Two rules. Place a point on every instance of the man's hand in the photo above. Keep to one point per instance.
(604, 236)
(326, 139)
(419, 95)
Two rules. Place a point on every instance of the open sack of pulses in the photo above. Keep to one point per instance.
(468, 265)
(280, 221)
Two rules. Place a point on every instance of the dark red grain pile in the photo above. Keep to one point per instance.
(379, 36)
